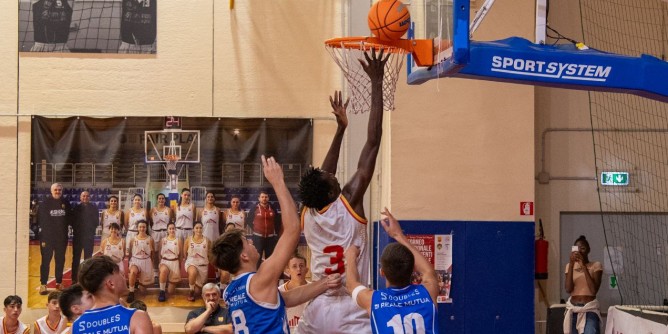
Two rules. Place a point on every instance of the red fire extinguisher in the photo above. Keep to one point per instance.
(541, 246)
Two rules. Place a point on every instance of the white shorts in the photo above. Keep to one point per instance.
(184, 234)
(157, 236)
(174, 270)
(145, 267)
(202, 272)
(211, 233)
(333, 314)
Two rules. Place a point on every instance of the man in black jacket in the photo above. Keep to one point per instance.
(86, 220)
(53, 216)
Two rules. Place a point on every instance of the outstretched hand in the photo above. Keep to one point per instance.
(272, 170)
(390, 224)
(339, 108)
(375, 65)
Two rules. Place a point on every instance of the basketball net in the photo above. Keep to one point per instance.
(347, 52)
(171, 160)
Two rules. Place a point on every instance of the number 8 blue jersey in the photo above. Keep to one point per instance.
(406, 310)
(251, 317)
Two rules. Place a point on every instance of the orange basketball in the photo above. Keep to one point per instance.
(389, 19)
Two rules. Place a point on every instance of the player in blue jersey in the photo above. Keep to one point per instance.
(101, 277)
(401, 307)
(252, 297)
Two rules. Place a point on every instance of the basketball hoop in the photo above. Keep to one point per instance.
(347, 51)
(171, 160)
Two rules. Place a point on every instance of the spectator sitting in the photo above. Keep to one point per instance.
(73, 301)
(53, 322)
(212, 318)
(10, 321)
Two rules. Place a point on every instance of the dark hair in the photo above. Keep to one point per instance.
(582, 239)
(314, 189)
(160, 194)
(94, 271)
(226, 250)
(13, 299)
(138, 304)
(180, 197)
(140, 196)
(210, 192)
(112, 196)
(397, 263)
(297, 255)
(171, 223)
(198, 222)
(70, 296)
(264, 191)
(114, 225)
(53, 295)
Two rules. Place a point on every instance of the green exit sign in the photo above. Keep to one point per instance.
(615, 178)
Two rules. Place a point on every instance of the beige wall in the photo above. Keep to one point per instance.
(462, 149)
(568, 154)
(456, 149)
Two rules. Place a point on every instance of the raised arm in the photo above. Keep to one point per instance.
(357, 185)
(568, 282)
(429, 279)
(263, 284)
(364, 294)
(339, 110)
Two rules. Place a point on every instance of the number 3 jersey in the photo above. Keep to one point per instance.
(252, 317)
(329, 232)
(406, 310)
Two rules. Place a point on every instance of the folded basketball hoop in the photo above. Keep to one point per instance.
(347, 51)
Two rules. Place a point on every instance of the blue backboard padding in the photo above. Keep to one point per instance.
(492, 278)
(517, 60)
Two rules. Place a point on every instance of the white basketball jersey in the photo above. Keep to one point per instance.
(236, 218)
(160, 218)
(141, 248)
(114, 251)
(184, 216)
(23, 328)
(108, 218)
(45, 328)
(329, 232)
(198, 252)
(170, 249)
(210, 223)
(135, 217)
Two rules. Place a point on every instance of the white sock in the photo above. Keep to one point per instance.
(192, 287)
(162, 286)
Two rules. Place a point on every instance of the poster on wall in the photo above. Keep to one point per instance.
(125, 169)
(88, 26)
(437, 249)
